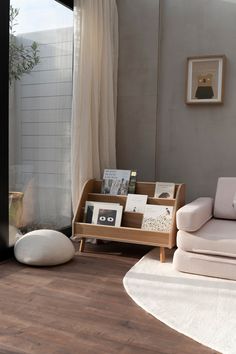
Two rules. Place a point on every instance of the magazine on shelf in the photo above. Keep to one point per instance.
(115, 182)
(136, 203)
(89, 207)
(108, 215)
(157, 218)
(164, 190)
(132, 182)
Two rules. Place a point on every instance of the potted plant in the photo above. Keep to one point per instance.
(21, 59)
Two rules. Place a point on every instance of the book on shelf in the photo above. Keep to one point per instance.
(107, 215)
(89, 207)
(132, 182)
(136, 203)
(157, 218)
(164, 190)
(115, 182)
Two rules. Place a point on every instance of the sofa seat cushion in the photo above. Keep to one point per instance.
(44, 248)
(213, 266)
(216, 237)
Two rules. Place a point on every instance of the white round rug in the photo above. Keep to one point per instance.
(202, 308)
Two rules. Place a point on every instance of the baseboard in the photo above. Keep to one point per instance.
(6, 253)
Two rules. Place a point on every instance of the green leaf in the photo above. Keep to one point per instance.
(22, 59)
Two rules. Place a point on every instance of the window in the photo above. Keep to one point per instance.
(40, 119)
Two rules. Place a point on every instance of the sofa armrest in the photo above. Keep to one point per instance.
(194, 215)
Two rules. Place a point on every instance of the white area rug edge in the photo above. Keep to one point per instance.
(158, 316)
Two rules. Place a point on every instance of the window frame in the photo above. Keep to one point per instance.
(67, 3)
(4, 130)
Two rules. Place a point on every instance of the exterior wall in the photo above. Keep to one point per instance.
(137, 86)
(41, 163)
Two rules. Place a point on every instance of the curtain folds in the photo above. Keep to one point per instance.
(94, 91)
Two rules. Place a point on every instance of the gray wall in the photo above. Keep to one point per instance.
(194, 144)
(137, 86)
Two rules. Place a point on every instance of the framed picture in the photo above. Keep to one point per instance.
(205, 79)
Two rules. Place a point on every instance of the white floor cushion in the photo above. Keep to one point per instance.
(44, 248)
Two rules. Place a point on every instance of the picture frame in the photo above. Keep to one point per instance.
(205, 79)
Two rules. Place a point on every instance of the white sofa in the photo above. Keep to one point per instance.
(206, 239)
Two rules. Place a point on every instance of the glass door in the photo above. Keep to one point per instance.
(40, 97)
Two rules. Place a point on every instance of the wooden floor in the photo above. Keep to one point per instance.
(81, 307)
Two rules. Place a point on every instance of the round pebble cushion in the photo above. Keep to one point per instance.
(44, 248)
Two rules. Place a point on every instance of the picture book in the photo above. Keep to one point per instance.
(107, 215)
(164, 190)
(136, 203)
(115, 182)
(89, 207)
(157, 218)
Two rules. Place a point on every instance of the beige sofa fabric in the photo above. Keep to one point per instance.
(206, 244)
(225, 199)
(220, 267)
(217, 237)
(192, 216)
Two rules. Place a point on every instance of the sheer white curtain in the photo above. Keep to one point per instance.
(94, 91)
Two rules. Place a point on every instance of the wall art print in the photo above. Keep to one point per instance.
(205, 79)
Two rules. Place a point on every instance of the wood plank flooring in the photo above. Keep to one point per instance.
(81, 308)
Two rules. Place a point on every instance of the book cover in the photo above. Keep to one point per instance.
(136, 203)
(132, 182)
(164, 190)
(115, 182)
(108, 216)
(89, 207)
(157, 218)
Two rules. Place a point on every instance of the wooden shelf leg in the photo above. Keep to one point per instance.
(82, 244)
(162, 254)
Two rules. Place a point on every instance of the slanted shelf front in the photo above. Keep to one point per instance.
(130, 230)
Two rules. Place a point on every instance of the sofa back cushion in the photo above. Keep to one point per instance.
(225, 199)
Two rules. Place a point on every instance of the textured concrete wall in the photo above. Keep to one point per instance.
(137, 86)
(196, 144)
